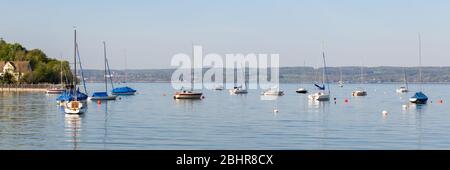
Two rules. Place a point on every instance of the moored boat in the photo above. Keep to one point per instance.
(187, 94)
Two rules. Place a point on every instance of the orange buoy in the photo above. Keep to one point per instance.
(99, 102)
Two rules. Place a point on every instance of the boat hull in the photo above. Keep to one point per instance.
(359, 93)
(55, 91)
(418, 101)
(75, 107)
(273, 93)
(188, 96)
(238, 91)
(112, 97)
(402, 90)
(319, 97)
(301, 91)
(124, 93)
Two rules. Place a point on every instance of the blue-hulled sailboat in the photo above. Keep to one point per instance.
(104, 95)
(124, 90)
(419, 97)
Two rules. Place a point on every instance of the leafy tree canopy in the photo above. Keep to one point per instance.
(44, 69)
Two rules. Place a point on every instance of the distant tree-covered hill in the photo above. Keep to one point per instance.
(302, 75)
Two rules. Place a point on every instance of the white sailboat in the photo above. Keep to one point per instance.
(75, 106)
(61, 89)
(341, 82)
(322, 95)
(360, 91)
(239, 89)
(404, 89)
(302, 90)
(274, 91)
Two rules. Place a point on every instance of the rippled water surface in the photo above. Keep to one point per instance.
(153, 120)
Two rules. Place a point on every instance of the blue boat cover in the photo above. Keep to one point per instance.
(68, 95)
(123, 90)
(420, 96)
(100, 94)
(320, 87)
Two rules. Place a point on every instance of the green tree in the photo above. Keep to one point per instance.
(7, 78)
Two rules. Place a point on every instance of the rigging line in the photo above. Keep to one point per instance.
(81, 67)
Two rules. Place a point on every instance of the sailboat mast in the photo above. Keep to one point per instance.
(61, 71)
(192, 68)
(362, 74)
(106, 79)
(405, 78)
(420, 61)
(126, 71)
(75, 64)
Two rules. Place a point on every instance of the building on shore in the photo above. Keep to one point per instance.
(16, 68)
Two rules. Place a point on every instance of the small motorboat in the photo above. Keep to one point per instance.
(123, 91)
(301, 91)
(419, 98)
(102, 96)
(238, 90)
(187, 94)
(55, 91)
(402, 90)
(359, 93)
(319, 96)
(341, 84)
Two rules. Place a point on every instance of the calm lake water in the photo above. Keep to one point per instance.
(152, 120)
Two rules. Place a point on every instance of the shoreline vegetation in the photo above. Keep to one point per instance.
(22, 66)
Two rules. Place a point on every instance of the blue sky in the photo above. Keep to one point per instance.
(381, 32)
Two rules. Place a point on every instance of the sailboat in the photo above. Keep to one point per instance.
(274, 91)
(360, 91)
(239, 89)
(341, 82)
(75, 106)
(124, 90)
(61, 89)
(189, 94)
(104, 95)
(404, 89)
(302, 90)
(322, 95)
(419, 97)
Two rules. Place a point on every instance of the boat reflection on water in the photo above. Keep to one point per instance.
(315, 104)
(187, 105)
(72, 128)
